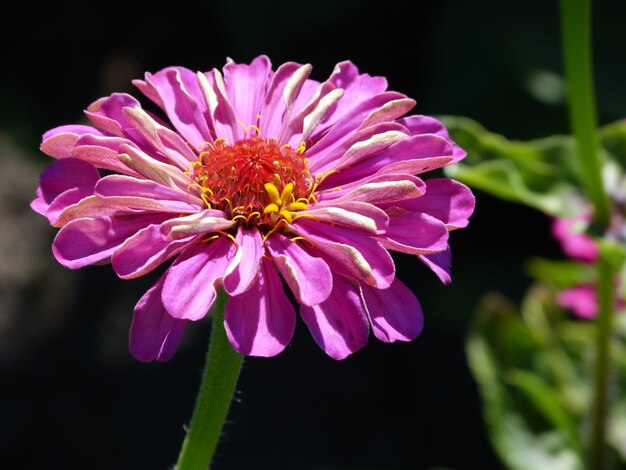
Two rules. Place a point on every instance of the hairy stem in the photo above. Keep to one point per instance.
(216, 393)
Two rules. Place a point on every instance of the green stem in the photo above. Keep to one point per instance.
(216, 393)
(604, 325)
(576, 40)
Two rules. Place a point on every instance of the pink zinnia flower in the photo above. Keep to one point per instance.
(262, 174)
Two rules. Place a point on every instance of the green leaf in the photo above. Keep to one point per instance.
(533, 369)
(546, 401)
(553, 359)
(525, 434)
(613, 141)
(617, 428)
(541, 173)
(561, 274)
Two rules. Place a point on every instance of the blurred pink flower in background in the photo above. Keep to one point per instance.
(253, 175)
(570, 232)
(581, 300)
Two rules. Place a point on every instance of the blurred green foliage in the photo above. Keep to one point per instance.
(540, 173)
(534, 364)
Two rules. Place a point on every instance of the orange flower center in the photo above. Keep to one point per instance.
(254, 178)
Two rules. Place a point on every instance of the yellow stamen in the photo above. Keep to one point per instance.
(205, 198)
(194, 185)
(248, 217)
(271, 232)
(302, 148)
(297, 215)
(286, 194)
(296, 239)
(209, 238)
(287, 215)
(256, 128)
(296, 206)
(272, 192)
(230, 204)
(270, 208)
(226, 234)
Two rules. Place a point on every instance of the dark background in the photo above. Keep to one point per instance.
(72, 396)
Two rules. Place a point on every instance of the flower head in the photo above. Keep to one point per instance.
(251, 175)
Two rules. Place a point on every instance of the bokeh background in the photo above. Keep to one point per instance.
(71, 395)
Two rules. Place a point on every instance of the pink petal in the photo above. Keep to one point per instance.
(370, 150)
(102, 151)
(345, 127)
(352, 253)
(261, 321)
(395, 313)
(154, 334)
(191, 282)
(378, 189)
(357, 88)
(165, 141)
(144, 251)
(280, 98)
(352, 214)
(309, 115)
(60, 141)
(208, 221)
(429, 125)
(87, 241)
(446, 200)
(222, 115)
(415, 166)
(127, 186)
(339, 324)
(177, 92)
(109, 114)
(122, 207)
(251, 246)
(67, 174)
(308, 277)
(307, 95)
(323, 159)
(64, 200)
(440, 263)
(153, 169)
(246, 86)
(400, 149)
(390, 112)
(414, 233)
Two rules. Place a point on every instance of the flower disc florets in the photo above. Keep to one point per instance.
(255, 180)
